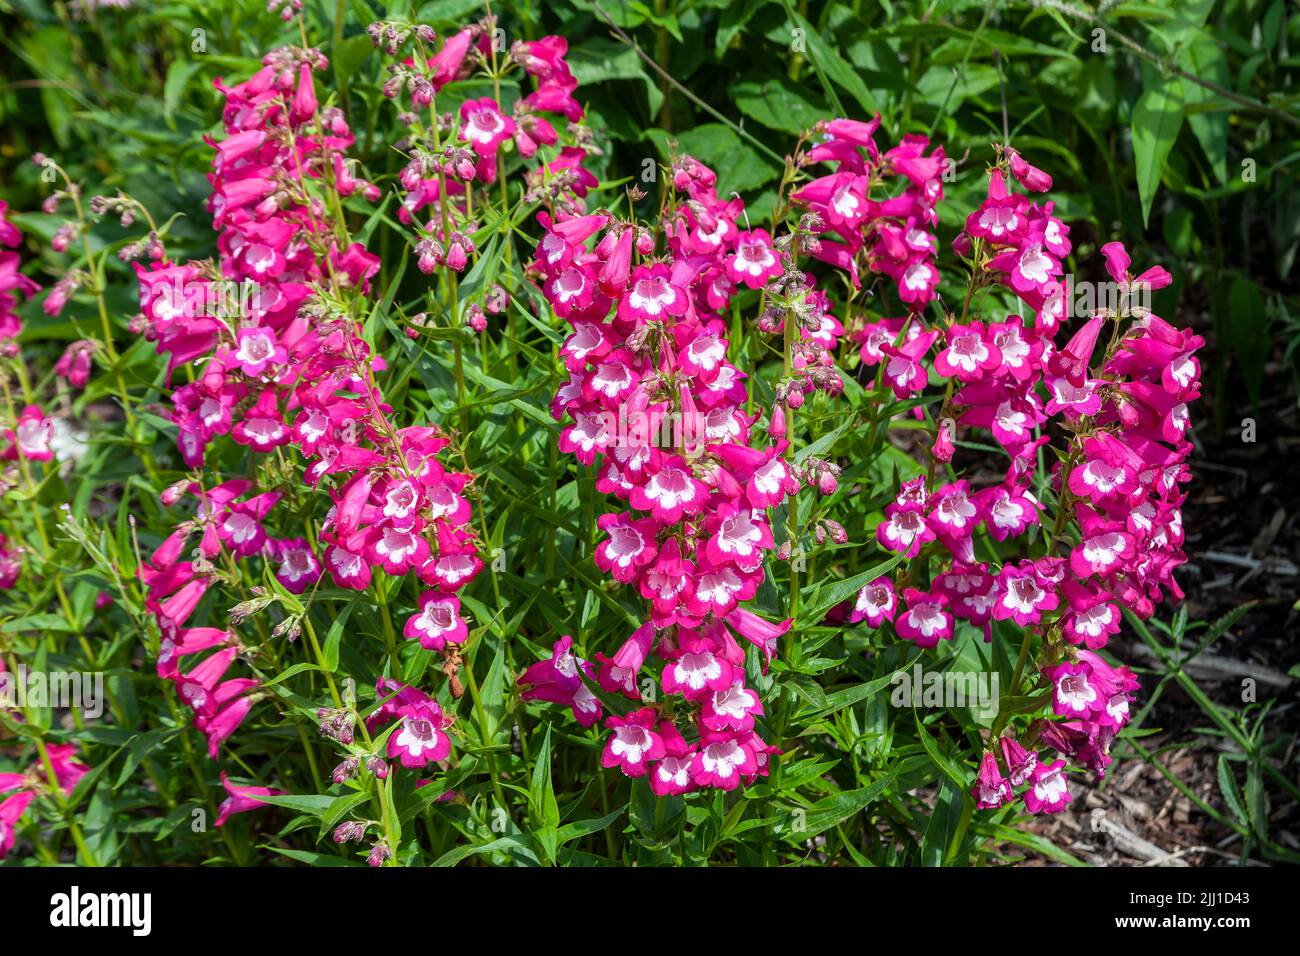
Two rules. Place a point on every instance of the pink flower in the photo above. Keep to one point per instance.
(438, 622)
(1048, 791)
(257, 350)
(1020, 763)
(695, 674)
(1020, 596)
(32, 437)
(484, 126)
(242, 799)
(557, 680)
(297, 568)
(74, 364)
(672, 774)
(262, 428)
(732, 709)
(651, 295)
(634, 742)
(991, 790)
(754, 261)
(969, 354)
(721, 761)
(1031, 177)
(670, 492)
(875, 603)
(1073, 693)
(904, 530)
(631, 545)
(421, 738)
(926, 620)
(11, 811)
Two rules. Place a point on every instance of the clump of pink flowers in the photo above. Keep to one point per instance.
(289, 371)
(60, 768)
(654, 404)
(456, 182)
(1112, 403)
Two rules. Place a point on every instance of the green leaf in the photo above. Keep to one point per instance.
(835, 809)
(740, 167)
(1031, 841)
(178, 76)
(330, 652)
(314, 804)
(1246, 331)
(463, 852)
(1157, 118)
(849, 696)
(830, 66)
(1206, 59)
(581, 828)
(937, 757)
(827, 597)
(1231, 793)
(314, 859)
(778, 105)
(545, 811)
(600, 59)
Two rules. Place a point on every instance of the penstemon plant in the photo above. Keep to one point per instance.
(786, 453)
(648, 345)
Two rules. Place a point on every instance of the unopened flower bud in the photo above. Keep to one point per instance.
(776, 425)
(350, 831)
(346, 770)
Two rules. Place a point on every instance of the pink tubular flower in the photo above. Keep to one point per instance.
(1073, 691)
(242, 799)
(1048, 791)
(421, 737)
(1021, 597)
(731, 709)
(926, 620)
(723, 761)
(969, 354)
(557, 681)
(297, 371)
(904, 530)
(671, 775)
(991, 789)
(634, 742)
(74, 364)
(257, 350)
(754, 261)
(438, 622)
(11, 811)
(32, 437)
(484, 126)
(1019, 762)
(875, 603)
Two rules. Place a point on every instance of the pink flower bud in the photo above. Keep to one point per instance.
(776, 425)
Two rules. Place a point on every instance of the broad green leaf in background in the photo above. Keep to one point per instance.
(1157, 118)
(600, 59)
(778, 104)
(1205, 58)
(739, 166)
